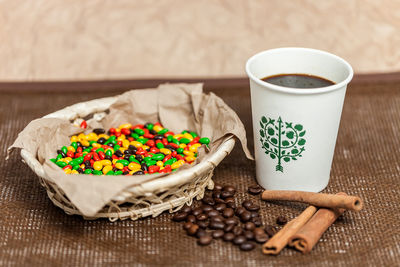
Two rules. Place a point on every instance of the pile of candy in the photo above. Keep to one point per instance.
(129, 150)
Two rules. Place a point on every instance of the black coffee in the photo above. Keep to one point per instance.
(301, 81)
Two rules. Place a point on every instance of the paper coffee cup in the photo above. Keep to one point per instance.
(295, 130)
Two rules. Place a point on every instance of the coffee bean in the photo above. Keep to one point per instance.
(216, 194)
(257, 221)
(249, 226)
(201, 232)
(228, 212)
(254, 214)
(239, 211)
(218, 234)
(219, 200)
(186, 209)
(209, 201)
(249, 235)
(204, 240)
(261, 238)
(247, 246)
(187, 225)
(238, 240)
(247, 203)
(193, 229)
(229, 200)
(213, 213)
(255, 189)
(228, 236)
(229, 227)
(253, 207)
(281, 220)
(245, 216)
(180, 216)
(218, 218)
(231, 205)
(197, 211)
(259, 231)
(206, 208)
(270, 230)
(203, 224)
(237, 230)
(220, 206)
(226, 194)
(191, 218)
(229, 188)
(232, 220)
(217, 187)
(217, 225)
(201, 217)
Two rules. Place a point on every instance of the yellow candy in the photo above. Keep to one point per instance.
(92, 137)
(82, 166)
(105, 162)
(71, 148)
(74, 138)
(97, 165)
(188, 136)
(122, 149)
(177, 164)
(104, 136)
(66, 160)
(145, 147)
(67, 171)
(188, 153)
(177, 136)
(125, 143)
(107, 169)
(160, 163)
(165, 151)
(124, 126)
(182, 145)
(136, 144)
(190, 159)
(119, 166)
(82, 136)
(157, 128)
(193, 148)
(134, 166)
(114, 161)
(85, 142)
(121, 138)
(96, 145)
(74, 172)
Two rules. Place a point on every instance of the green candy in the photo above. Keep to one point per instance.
(183, 132)
(160, 145)
(92, 142)
(123, 162)
(168, 162)
(150, 126)
(179, 150)
(64, 149)
(74, 145)
(99, 149)
(110, 173)
(133, 159)
(151, 162)
(59, 156)
(76, 167)
(79, 160)
(53, 160)
(96, 172)
(194, 134)
(142, 140)
(109, 152)
(158, 157)
(87, 150)
(61, 164)
(184, 141)
(204, 140)
(139, 131)
(170, 138)
(118, 173)
(73, 162)
(112, 138)
(116, 147)
(175, 141)
(88, 171)
(163, 131)
(135, 135)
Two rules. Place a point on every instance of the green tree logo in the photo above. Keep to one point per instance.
(282, 140)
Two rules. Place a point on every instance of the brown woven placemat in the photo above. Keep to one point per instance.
(367, 163)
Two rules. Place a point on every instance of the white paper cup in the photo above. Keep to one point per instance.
(295, 130)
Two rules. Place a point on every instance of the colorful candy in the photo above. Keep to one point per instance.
(129, 150)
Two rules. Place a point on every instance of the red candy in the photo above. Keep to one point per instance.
(84, 124)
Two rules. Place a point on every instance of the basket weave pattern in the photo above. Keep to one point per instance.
(150, 198)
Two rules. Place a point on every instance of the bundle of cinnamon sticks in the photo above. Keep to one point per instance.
(304, 231)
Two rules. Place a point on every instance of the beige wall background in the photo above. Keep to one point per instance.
(76, 39)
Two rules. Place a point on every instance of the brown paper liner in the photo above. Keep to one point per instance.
(316, 199)
(281, 239)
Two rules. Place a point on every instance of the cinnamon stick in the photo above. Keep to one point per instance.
(316, 199)
(281, 239)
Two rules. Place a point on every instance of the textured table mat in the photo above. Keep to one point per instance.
(367, 163)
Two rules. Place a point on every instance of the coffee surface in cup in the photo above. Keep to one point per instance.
(300, 81)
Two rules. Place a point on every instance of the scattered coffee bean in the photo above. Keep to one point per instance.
(180, 216)
(226, 194)
(249, 226)
(191, 218)
(228, 236)
(186, 209)
(231, 205)
(216, 194)
(247, 246)
(193, 229)
(261, 238)
(238, 240)
(257, 221)
(219, 200)
(253, 207)
(254, 214)
(187, 225)
(281, 220)
(229, 227)
(197, 211)
(202, 217)
(206, 208)
(203, 224)
(259, 231)
(249, 235)
(229, 200)
(232, 220)
(201, 232)
(218, 234)
(245, 216)
(220, 206)
(237, 230)
(205, 240)
(255, 189)
(239, 211)
(217, 225)
(209, 201)
(247, 203)
(228, 212)
(270, 230)
(217, 187)
(213, 213)
(229, 188)
(218, 218)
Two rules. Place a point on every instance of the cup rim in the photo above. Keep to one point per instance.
(303, 91)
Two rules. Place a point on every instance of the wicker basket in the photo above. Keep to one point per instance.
(170, 192)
